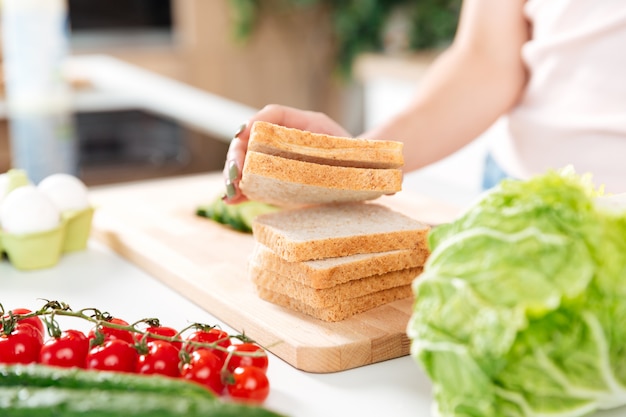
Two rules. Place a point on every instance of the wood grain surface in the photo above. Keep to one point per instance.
(153, 225)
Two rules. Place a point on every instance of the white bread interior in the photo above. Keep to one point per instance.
(339, 311)
(290, 167)
(336, 230)
(329, 272)
(286, 182)
(327, 297)
(272, 139)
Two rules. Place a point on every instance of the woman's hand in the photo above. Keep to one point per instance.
(281, 115)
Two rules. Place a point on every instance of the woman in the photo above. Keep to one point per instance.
(555, 69)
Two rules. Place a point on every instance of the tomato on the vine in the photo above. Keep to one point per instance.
(67, 350)
(124, 348)
(33, 321)
(161, 357)
(251, 355)
(20, 345)
(204, 367)
(112, 355)
(211, 336)
(163, 331)
(112, 333)
(249, 384)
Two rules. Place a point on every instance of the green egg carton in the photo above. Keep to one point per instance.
(77, 229)
(44, 249)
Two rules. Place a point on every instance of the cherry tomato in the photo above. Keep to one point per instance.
(163, 331)
(210, 336)
(33, 321)
(68, 350)
(21, 345)
(112, 355)
(111, 333)
(249, 384)
(161, 358)
(204, 367)
(236, 360)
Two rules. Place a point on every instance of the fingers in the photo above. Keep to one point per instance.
(233, 168)
(298, 119)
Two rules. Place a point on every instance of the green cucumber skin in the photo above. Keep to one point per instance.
(45, 391)
(67, 402)
(46, 376)
(237, 216)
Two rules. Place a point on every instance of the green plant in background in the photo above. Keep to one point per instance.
(360, 25)
(434, 22)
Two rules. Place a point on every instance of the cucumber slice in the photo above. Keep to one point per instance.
(237, 216)
(212, 210)
(249, 210)
(217, 210)
(232, 217)
(204, 211)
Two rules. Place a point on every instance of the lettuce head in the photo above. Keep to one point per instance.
(521, 308)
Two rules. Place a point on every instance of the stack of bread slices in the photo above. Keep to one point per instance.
(331, 253)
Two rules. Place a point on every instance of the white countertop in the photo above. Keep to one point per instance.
(97, 277)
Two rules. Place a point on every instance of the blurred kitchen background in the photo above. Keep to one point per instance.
(157, 87)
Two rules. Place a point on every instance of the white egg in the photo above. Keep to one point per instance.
(66, 191)
(28, 210)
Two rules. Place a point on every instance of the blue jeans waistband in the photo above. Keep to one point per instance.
(493, 173)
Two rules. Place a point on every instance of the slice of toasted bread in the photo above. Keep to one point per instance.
(291, 167)
(327, 297)
(287, 182)
(341, 310)
(272, 139)
(326, 273)
(336, 230)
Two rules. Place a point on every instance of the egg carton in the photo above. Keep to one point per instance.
(35, 248)
(45, 249)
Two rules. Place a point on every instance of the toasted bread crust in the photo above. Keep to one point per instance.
(327, 297)
(305, 146)
(284, 194)
(340, 255)
(337, 230)
(326, 273)
(287, 182)
(341, 310)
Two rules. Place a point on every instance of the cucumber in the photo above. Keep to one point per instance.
(35, 375)
(42, 391)
(213, 211)
(249, 210)
(217, 210)
(203, 211)
(237, 216)
(231, 217)
(19, 401)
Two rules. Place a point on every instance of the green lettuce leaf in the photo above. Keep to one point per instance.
(521, 308)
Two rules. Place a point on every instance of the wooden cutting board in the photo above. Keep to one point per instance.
(153, 225)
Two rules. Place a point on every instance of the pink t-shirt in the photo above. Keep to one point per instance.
(573, 111)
